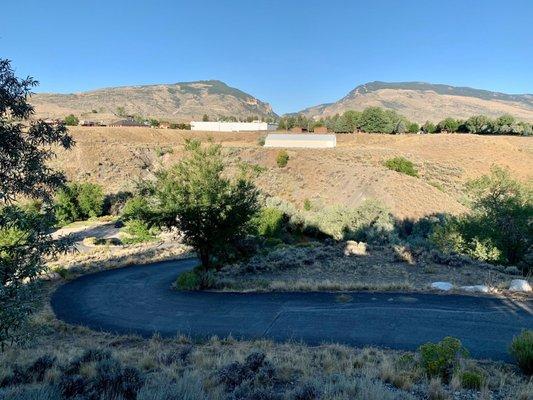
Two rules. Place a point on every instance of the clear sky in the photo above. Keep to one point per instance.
(290, 53)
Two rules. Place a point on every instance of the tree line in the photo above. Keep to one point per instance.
(379, 120)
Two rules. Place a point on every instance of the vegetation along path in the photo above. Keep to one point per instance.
(140, 300)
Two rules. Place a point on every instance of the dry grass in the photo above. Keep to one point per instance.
(326, 267)
(193, 369)
(347, 175)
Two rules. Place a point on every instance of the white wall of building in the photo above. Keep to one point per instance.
(213, 126)
(300, 140)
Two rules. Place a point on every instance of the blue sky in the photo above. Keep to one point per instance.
(292, 54)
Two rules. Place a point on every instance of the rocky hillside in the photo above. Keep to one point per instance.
(421, 101)
(178, 102)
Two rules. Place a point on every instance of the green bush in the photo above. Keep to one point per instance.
(196, 279)
(498, 229)
(71, 120)
(413, 127)
(429, 127)
(402, 165)
(136, 208)
(442, 359)
(78, 201)
(522, 351)
(282, 159)
(139, 232)
(269, 222)
(307, 205)
(472, 379)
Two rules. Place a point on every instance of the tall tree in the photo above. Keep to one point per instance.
(209, 209)
(24, 173)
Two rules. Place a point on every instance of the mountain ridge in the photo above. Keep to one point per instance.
(178, 101)
(421, 101)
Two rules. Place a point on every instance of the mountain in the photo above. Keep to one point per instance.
(180, 102)
(421, 101)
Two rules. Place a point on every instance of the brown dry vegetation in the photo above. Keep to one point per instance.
(318, 266)
(346, 175)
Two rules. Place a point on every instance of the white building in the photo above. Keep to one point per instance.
(299, 140)
(212, 126)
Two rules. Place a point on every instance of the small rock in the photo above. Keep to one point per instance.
(355, 248)
(476, 288)
(520, 285)
(442, 286)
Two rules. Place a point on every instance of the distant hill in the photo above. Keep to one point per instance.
(181, 101)
(421, 101)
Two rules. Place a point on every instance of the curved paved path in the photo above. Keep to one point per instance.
(140, 300)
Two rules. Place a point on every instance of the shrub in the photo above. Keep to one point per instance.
(71, 120)
(498, 229)
(282, 159)
(136, 208)
(429, 127)
(139, 232)
(402, 165)
(442, 359)
(261, 141)
(307, 205)
(269, 222)
(472, 379)
(197, 279)
(79, 201)
(413, 127)
(522, 351)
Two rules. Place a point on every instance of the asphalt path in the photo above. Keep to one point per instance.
(140, 300)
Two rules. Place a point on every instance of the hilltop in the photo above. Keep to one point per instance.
(180, 102)
(420, 101)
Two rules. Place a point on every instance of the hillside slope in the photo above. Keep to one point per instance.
(346, 175)
(174, 102)
(421, 101)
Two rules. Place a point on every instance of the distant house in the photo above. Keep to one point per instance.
(164, 125)
(126, 122)
(215, 126)
(320, 129)
(304, 140)
(298, 129)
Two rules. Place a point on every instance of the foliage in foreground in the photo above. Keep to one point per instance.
(24, 240)
(499, 228)
(522, 351)
(211, 211)
(442, 359)
(79, 201)
(402, 165)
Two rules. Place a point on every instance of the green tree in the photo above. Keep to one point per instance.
(353, 119)
(25, 150)
(71, 120)
(375, 120)
(449, 125)
(413, 127)
(479, 124)
(499, 228)
(205, 118)
(429, 127)
(212, 211)
(400, 127)
(79, 201)
(342, 125)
